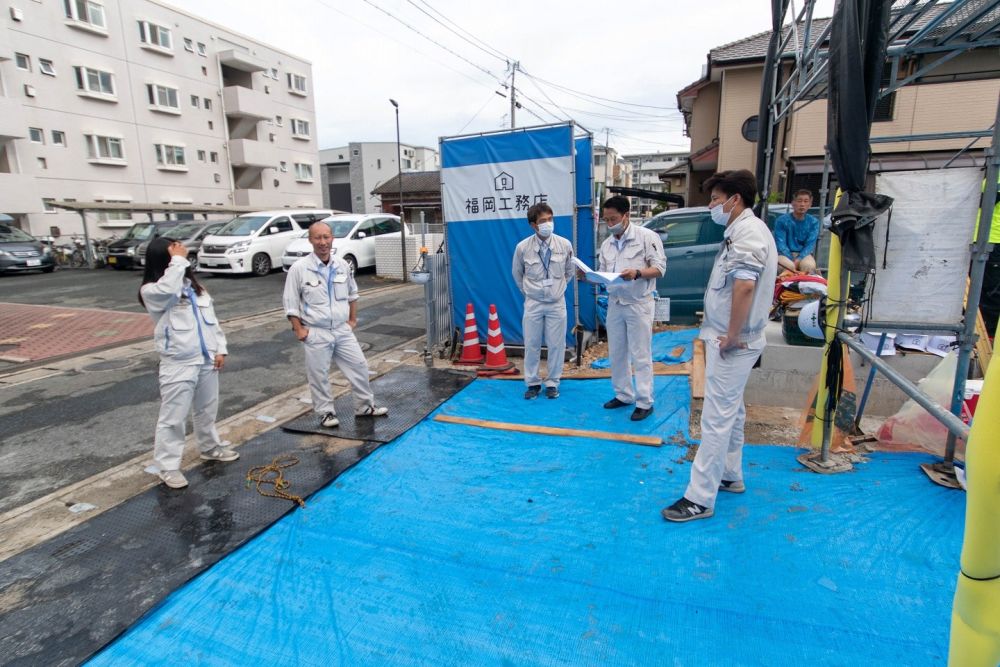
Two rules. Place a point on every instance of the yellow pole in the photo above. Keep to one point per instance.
(975, 617)
(834, 296)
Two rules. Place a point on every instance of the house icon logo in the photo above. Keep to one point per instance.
(503, 181)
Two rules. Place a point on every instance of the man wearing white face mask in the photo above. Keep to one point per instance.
(541, 269)
(737, 302)
(636, 254)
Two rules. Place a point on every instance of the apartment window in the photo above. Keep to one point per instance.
(85, 11)
(188, 45)
(196, 101)
(155, 35)
(101, 148)
(170, 156)
(303, 172)
(274, 73)
(43, 163)
(47, 204)
(201, 156)
(208, 104)
(283, 166)
(296, 84)
(279, 121)
(300, 128)
(110, 216)
(355, 152)
(211, 125)
(95, 81)
(204, 71)
(37, 135)
(213, 157)
(885, 108)
(58, 138)
(378, 164)
(162, 97)
(201, 49)
(23, 61)
(45, 66)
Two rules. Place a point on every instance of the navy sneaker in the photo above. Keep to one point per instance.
(533, 392)
(735, 486)
(552, 392)
(641, 413)
(615, 403)
(685, 510)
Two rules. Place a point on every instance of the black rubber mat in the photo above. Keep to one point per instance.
(410, 393)
(62, 600)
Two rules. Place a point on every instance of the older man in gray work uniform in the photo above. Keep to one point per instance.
(636, 255)
(541, 269)
(320, 301)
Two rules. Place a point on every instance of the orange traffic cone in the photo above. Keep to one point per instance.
(496, 355)
(472, 354)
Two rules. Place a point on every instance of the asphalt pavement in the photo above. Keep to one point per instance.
(66, 427)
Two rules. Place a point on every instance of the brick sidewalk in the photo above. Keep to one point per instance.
(32, 333)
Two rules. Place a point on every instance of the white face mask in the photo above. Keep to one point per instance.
(545, 229)
(720, 216)
(617, 229)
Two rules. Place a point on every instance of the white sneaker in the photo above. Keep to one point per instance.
(220, 453)
(372, 411)
(175, 479)
(329, 420)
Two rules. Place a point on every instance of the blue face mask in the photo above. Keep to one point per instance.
(719, 216)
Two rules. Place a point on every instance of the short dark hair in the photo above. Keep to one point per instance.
(618, 203)
(734, 182)
(800, 193)
(535, 211)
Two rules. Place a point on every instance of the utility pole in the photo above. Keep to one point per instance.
(513, 101)
(607, 156)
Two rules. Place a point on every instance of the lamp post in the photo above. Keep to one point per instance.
(399, 163)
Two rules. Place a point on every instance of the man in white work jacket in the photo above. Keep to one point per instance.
(636, 255)
(320, 301)
(737, 303)
(541, 269)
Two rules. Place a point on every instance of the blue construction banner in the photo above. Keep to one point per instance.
(488, 183)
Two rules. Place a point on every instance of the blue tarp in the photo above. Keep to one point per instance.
(664, 344)
(456, 545)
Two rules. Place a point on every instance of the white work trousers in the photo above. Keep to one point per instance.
(548, 321)
(630, 337)
(720, 455)
(340, 345)
(184, 389)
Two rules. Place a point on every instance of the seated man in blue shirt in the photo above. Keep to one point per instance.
(795, 235)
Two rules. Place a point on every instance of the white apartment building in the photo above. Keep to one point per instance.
(611, 169)
(136, 101)
(350, 173)
(646, 170)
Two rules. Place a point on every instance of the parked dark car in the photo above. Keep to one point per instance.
(20, 251)
(690, 242)
(191, 234)
(122, 253)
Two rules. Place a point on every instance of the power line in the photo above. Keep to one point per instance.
(645, 141)
(474, 41)
(476, 115)
(597, 97)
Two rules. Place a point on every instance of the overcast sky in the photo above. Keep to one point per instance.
(631, 52)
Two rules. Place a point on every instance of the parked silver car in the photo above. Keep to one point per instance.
(191, 234)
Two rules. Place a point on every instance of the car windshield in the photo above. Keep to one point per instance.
(10, 234)
(183, 231)
(140, 232)
(341, 229)
(243, 225)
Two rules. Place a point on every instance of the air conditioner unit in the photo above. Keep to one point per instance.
(29, 90)
(16, 14)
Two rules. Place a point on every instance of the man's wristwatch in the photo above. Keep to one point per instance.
(638, 274)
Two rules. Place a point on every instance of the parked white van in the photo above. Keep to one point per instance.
(255, 242)
(353, 239)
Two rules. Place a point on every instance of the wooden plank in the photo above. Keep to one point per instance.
(698, 370)
(648, 440)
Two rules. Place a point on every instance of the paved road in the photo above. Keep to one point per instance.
(61, 429)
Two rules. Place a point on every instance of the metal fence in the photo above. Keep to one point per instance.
(437, 308)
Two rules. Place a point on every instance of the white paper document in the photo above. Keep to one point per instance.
(599, 277)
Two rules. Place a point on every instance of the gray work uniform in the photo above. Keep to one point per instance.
(187, 335)
(542, 269)
(320, 296)
(747, 252)
(630, 312)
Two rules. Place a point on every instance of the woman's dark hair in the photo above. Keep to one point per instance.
(736, 182)
(157, 260)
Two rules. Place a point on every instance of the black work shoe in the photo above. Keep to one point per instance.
(735, 486)
(615, 403)
(533, 392)
(641, 413)
(685, 510)
(552, 392)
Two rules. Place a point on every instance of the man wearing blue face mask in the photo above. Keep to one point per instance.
(541, 269)
(737, 302)
(636, 254)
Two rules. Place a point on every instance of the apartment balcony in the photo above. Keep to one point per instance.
(13, 124)
(250, 153)
(243, 102)
(241, 61)
(19, 194)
